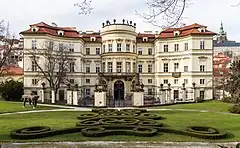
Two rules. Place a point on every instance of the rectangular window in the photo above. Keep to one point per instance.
(175, 81)
(186, 94)
(109, 47)
(60, 46)
(88, 68)
(87, 81)
(104, 48)
(34, 44)
(97, 51)
(87, 92)
(185, 46)
(140, 68)
(119, 66)
(51, 45)
(150, 91)
(150, 81)
(103, 67)
(34, 81)
(134, 67)
(185, 81)
(185, 68)
(202, 81)
(202, 68)
(165, 67)
(97, 68)
(176, 47)
(34, 65)
(128, 67)
(176, 67)
(87, 51)
(165, 48)
(109, 66)
(165, 81)
(71, 81)
(134, 48)
(119, 47)
(202, 44)
(149, 68)
(139, 51)
(71, 47)
(71, 66)
(202, 94)
(127, 47)
(149, 51)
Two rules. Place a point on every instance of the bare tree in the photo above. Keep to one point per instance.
(6, 46)
(84, 6)
(53, 64)
(170, 11)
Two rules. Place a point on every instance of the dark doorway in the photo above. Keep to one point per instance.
(119, 90)
(61, 95)
(176, 94)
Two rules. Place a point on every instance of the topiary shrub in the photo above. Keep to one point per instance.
(11, 90)
(235, 109)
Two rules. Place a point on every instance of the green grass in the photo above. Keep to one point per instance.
(7, 106)
(174, 119)
(213, 106)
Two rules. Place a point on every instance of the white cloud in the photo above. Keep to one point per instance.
(21, 13)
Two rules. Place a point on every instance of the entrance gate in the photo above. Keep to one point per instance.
(117, 97)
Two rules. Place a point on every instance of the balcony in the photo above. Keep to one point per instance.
(176, 74)
(114, 75)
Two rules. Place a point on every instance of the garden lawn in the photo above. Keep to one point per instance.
(174, 119)
(213, 106)
(8, 107)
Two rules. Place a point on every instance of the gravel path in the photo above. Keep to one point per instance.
(111, 144)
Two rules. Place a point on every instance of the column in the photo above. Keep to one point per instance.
(131, 65)
(75, 97)
(169, 96)
(184, 95)
(69, 97)
(163, 97)
(114, 65)
(181, 94)
(194, 95)
(53, 96)
(42, 95)
(124, 65)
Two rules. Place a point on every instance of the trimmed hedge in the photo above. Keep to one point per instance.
(103, 122)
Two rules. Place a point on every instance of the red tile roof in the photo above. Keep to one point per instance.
(185, 31)
(13, 70)
(52, 30)
(71, 32)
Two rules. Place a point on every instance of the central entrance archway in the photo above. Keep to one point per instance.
(119, 90)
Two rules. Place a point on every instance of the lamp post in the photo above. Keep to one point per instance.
(161, 93)
(169, 92)
(43, 91)
(194, 90)
(184, 92)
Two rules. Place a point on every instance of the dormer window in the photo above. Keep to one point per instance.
(61, 33)
(145, 39)
(176, 33)
(35, 29)
(93, 39)
(202, 29)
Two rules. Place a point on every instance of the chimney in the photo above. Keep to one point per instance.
(54, 24)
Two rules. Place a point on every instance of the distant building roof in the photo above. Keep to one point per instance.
(13, 70)
(226, 44)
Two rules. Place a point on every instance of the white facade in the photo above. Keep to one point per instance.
(118, 52)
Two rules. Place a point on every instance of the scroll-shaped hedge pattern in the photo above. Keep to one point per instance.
(103, 122)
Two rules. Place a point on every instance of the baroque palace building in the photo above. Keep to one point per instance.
(176, 58)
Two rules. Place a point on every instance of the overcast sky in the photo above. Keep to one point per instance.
(22, 13)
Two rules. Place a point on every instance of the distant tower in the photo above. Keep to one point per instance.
(222, 35)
